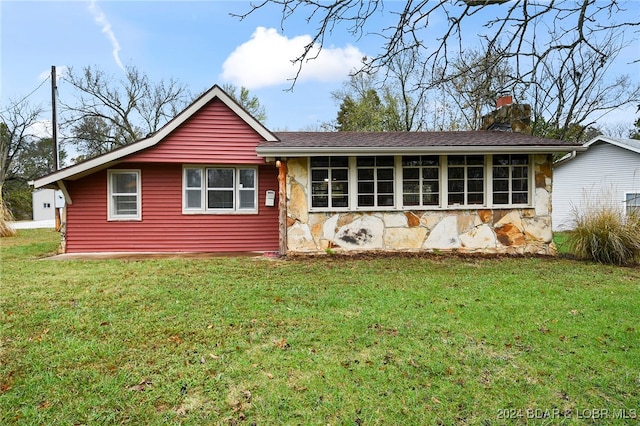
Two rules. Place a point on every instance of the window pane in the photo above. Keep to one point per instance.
(473, 160)
(456, 173)
(365, 187)
(220, 178)
(519, 185)
(476, 198)
(340, 201)
(339, 161)
(456, 198)
(500, 172)
(340, 174)
(431, 199)
(194, 178)
(220, 199)
(319, 201)
(520, 159)
(411, 187)
(411, 199)
(384, 161)
(455, 160)
(456, 186)
(501, 198)
(475, 186)
(430, 173)
(431, 160)
(319, 175)
(339, 188)
(385, 187)
(320, 188)
(125, 205)
(501, 160)
(366, 161)
(411, 173)
(365, 174)
(247, 178)
(124, 183)
(412, 160)
(385, 200)
(194, 199)
(365, 200)
(475, 172)
(501, 185)
(521, 198)
(385, 174)
(247, 199)
(319, 161)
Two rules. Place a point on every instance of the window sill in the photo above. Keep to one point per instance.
(219, 212)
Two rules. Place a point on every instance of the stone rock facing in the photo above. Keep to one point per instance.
(510, 231)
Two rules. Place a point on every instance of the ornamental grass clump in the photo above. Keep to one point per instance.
(605, 234)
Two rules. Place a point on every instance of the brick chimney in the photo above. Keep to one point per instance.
(508, 117)
(504, 100)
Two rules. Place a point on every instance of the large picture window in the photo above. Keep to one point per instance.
(124, 195)
(510, 179)
(220, 190)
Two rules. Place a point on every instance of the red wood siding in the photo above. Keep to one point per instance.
(213, 135)
(163, 227)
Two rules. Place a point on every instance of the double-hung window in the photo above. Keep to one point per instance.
(124, 195)
(421, 180)
(510, 179)
(375, 181)
(329, 182)
(220, 190)
(465, 184)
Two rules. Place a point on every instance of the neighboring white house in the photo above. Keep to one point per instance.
(44, 203)
(607, 172)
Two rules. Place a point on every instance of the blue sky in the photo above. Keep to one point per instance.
(197, 43)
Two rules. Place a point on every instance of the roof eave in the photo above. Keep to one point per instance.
(306, 151)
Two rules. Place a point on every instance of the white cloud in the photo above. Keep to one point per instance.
(101, 19)
(61, 71)
(266, 60)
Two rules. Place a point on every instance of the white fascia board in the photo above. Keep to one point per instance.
(306, 152)
(630, 144)
(113, 157)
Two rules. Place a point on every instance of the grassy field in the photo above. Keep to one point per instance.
(431, 340)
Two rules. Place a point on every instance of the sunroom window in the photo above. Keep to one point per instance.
(632, 202)
(330, 182)
(421, 180)
(465, 179)
(510, 179)
(375, 181)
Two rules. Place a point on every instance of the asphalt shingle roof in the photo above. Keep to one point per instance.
(360, 141)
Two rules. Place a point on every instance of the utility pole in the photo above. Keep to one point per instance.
(54, 136)
(54, 118)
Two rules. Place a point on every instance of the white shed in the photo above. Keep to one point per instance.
(607, 172)
(44, 203)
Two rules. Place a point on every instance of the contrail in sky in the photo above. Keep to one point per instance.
(101, 19)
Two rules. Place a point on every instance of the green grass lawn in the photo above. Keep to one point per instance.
(330, 340)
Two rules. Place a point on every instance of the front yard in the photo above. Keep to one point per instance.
(330, 340)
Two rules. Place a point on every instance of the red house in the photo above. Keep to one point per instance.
(196, 185)
(214, 179)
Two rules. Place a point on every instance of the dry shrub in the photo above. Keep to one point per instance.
(5, 217)
(604, 233)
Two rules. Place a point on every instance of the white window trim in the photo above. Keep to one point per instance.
(203, 190)
(120, 218)
(443, 187)
(626, 206)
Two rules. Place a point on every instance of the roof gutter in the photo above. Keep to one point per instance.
(307, 151)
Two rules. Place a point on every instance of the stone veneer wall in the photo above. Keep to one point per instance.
(512, 231)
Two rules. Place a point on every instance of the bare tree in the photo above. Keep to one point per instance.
(17, 133)
(108, 113)
(530, 31)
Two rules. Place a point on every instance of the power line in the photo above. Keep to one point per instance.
(31, 93)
